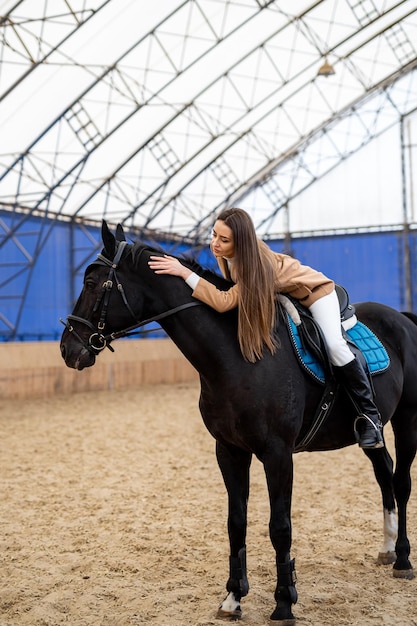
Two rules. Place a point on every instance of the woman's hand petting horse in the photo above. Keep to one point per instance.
(168, 265)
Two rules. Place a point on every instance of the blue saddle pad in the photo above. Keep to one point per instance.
(364, 339)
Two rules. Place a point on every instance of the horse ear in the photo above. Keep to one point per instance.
(120, 234)
(109, 240)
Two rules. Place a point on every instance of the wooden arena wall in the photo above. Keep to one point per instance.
(36, 369)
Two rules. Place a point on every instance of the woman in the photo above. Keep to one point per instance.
(258, 275)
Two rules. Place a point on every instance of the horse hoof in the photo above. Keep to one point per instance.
(230, 608)
(277, 618)
(405, 574)
(386, 558)
(230, 616)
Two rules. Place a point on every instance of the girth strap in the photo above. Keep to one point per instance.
(322, 412)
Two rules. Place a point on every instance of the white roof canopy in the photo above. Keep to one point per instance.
(159, 114)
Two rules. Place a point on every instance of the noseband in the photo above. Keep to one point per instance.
(98, 340)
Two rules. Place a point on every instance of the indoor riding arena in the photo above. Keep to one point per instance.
(114, 509)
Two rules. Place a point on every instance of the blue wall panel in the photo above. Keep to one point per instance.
(47, 289)
(370, 266)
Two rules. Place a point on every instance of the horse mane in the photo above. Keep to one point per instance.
(188, 261)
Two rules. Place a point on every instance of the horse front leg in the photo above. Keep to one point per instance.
(278, 464)
(234, 464)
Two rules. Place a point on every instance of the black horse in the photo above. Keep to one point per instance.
(262, 408)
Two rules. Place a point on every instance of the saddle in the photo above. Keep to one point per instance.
(310, 346)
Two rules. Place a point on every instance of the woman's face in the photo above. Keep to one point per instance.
(222, 243)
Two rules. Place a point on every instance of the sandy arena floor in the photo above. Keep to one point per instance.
(113, 513)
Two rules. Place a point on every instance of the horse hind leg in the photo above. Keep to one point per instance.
(406, 444)
(387, 555)
(383, 469)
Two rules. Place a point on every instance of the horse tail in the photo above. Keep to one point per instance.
(410, 316)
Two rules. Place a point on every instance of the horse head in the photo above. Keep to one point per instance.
(102, 307)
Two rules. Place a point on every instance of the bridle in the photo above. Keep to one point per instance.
(98, 340)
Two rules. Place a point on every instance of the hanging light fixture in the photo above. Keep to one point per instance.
(326, 69)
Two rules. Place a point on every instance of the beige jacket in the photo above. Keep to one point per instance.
(299, 281)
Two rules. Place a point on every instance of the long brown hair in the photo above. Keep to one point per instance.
(255, 275)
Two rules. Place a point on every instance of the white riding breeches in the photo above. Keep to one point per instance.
(326, 312)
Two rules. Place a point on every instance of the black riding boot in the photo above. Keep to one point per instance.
(368, 426)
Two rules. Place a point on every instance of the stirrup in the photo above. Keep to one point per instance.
(373, 443)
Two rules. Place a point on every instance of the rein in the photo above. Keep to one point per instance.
(127, 331)
(98, 340)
